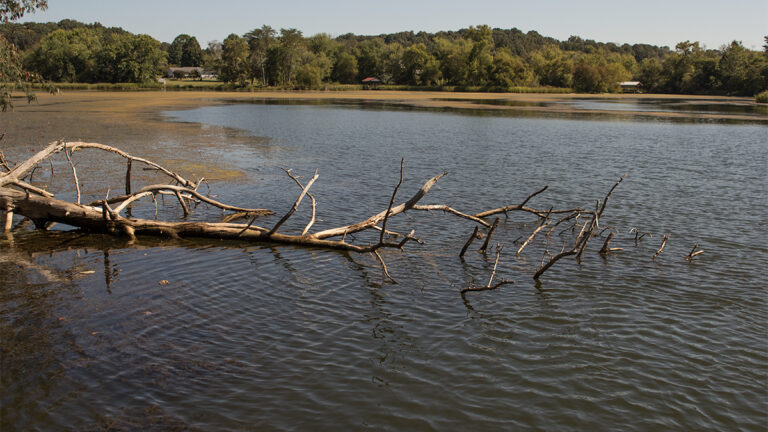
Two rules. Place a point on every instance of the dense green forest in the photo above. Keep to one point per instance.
(472, 58)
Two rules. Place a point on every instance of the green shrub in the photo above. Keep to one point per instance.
(762, 97)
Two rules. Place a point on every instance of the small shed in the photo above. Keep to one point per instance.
(371, 82)
(630, 86)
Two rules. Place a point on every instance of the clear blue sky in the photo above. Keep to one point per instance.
(659, 22)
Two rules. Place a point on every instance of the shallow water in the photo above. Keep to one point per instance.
(700, 106)
(194, 335)
(691, 110)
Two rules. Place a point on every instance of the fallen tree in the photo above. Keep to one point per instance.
(112, 215)
(106, 216)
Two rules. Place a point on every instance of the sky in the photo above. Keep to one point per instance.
(713, 23)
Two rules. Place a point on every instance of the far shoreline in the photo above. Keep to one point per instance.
(100, 115)
(135, 121)
(185, 99)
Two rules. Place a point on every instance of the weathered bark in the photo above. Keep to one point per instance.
(522, 207)
(379, 217)
(40, 206)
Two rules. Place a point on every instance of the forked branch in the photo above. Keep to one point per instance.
(489, 286)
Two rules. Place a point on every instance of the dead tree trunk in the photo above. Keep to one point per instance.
(18, 196)
(105, 216)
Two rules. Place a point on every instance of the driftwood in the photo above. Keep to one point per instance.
(112, 215)
(489, 285)
(661, 249)
(42, 207)
(17, 195)
(639, 235)
(694, 252)
(606, 249)
(587, 231)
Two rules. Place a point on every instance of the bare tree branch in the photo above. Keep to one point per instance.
(384, 266)
(391, 202)
(607, 245)
(638, 235)
(663, 244)
(295, 205)
(74, 173)
(694, 252)
(474, 236)
(311, 197)
(488, 286)
(489, 235)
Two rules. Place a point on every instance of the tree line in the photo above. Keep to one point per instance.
(476, 57)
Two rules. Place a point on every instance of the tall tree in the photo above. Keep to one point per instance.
(191, 54)
(741, 70)
(345, 69)
(649, 74)
(370, 60)
(480, 58)
(289, 53)
(678, 67)
(260, 41)
(587, 78)
(453, 55)
(419, 66)
(212, 56)
(509, 70)
(131, 58)
(394, 70)
(68, 55)
(553, 66)
(313, 69)
(234, 60)
(176, 50)
(321, 43)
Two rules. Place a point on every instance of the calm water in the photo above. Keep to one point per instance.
(98, 334)
(759, 112)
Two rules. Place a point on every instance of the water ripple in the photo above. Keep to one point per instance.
(226, 336)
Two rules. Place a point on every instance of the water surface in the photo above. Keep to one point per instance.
(209, 335)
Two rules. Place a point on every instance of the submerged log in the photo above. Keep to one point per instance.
(18, 196)
(104, 216)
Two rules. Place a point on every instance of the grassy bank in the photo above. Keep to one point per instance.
(190, 85)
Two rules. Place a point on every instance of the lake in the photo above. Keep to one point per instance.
(98, 334)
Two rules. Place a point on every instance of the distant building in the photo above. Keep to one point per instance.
(630, 86)
(189, 72)
(185, 72)
(371, 82)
